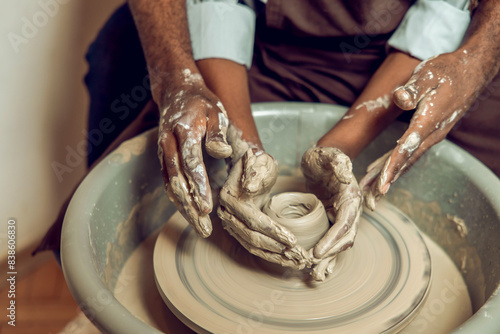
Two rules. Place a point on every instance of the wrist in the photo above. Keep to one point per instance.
(167, 84)
(349, 149)
(228, 81)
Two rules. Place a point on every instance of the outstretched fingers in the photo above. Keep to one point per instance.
(178, 187)
(430, 124)
(430, 141)
(189, 138)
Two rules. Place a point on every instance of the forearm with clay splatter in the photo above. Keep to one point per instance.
(374, 109)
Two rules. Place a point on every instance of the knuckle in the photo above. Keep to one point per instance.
(252, 238)
(179, 127)
(225, 224)
(192, 164)
(224, 195)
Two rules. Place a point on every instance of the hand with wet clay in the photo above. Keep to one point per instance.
(241, 199)
(328, 174)
(191, 118)
(441, 90)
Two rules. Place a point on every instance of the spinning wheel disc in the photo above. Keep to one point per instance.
(214, 285)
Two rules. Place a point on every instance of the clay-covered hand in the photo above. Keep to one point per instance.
(328, 174)
(441, 90)
(241, 199)
(191, 118)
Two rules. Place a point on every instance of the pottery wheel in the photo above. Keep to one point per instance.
(214, 285)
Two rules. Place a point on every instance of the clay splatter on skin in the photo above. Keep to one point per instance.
(453, 116)
(190, 77)
(164, 111)
(220, 149)
(189, 189)
(175, 116)
(419, 66)
(383, 176)
(380, 102)
(411, 143)
(221, 107)
(445, 79)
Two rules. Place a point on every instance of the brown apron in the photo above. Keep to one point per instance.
(320, 51)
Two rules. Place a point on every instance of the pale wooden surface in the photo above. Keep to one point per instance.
(43, 302)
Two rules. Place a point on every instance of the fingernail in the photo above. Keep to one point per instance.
(218, 149)
(403, 98)
(385, 188)
(403, 95)
(319, 252)
(205, 226)
(203, 206)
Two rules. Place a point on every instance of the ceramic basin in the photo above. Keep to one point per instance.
(446, 182)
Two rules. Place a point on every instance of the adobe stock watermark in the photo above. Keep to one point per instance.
(434, 308)
(11, 271)
(265, 308)
(122, 108)
(30, 25)
(277, 124)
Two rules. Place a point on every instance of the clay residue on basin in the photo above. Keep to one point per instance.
(449, 234)
(151, 206)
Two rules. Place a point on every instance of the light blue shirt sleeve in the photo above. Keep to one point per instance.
(432, 27)
(221, 29)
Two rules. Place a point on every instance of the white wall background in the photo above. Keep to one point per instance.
(43, 105)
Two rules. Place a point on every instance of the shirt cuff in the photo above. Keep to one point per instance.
(222, 30)
(432, 27)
